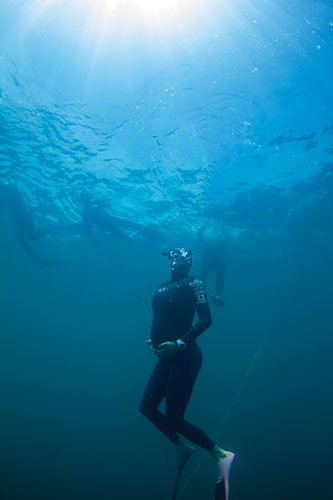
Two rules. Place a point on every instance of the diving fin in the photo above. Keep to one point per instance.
(222, 482)
(182, 460)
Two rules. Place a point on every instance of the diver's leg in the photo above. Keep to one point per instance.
(100, 218)
(179, 389)
(180, 384)
(153, 394)
(219, 269)
(205, 269)
(183, 373)
(220, 274)
(218, 453)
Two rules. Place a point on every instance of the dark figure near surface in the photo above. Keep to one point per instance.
(25, 229)
(212, 260)
(94, 214)
(173, 340)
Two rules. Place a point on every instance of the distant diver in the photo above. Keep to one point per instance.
(11, 198)
(94, 214)
(173, 340)
(213, 245)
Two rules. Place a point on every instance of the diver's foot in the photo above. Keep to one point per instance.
(223, 469)
(217, 300)
(184, 457)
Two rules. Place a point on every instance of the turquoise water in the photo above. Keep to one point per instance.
(217, 112)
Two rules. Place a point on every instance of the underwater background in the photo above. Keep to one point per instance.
(216, 113)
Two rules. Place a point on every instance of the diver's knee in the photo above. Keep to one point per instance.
(142, 409)
(145, 409)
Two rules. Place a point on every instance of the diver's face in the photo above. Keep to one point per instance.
(180, 261)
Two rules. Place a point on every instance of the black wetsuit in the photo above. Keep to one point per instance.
(24, 226)
(174, 306)
(212, 252)
(95, 214)
(213, 260)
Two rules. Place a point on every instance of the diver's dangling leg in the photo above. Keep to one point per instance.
(184, 452)
(217, 300)
(219, 269)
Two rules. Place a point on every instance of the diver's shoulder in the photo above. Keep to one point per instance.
(193, 277)
(163, 285)
(194, 281)
(198, 289)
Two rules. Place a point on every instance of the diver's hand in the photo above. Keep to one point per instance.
(166, 350)
(148, 342)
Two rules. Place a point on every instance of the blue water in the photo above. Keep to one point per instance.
(221, 113)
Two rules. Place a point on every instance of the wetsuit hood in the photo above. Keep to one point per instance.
(180, 261)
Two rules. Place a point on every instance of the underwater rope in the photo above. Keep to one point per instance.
(236, 397)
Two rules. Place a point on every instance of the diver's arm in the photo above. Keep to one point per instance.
(202, 309)
(203, 323)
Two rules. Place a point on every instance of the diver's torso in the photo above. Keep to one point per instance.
(174, 306)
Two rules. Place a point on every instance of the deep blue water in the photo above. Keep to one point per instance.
(216, 113)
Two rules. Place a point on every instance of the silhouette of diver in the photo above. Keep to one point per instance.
(213, 247)
(173, 340)
(11, 198)
(94, 214)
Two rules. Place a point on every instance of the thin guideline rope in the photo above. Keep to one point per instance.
(236, 397)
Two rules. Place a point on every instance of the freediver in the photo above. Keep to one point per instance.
(173, 341)
(213, 246)
(25, 229)
(94, 214)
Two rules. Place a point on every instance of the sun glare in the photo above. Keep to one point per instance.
(151, 7)
(98, 24)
